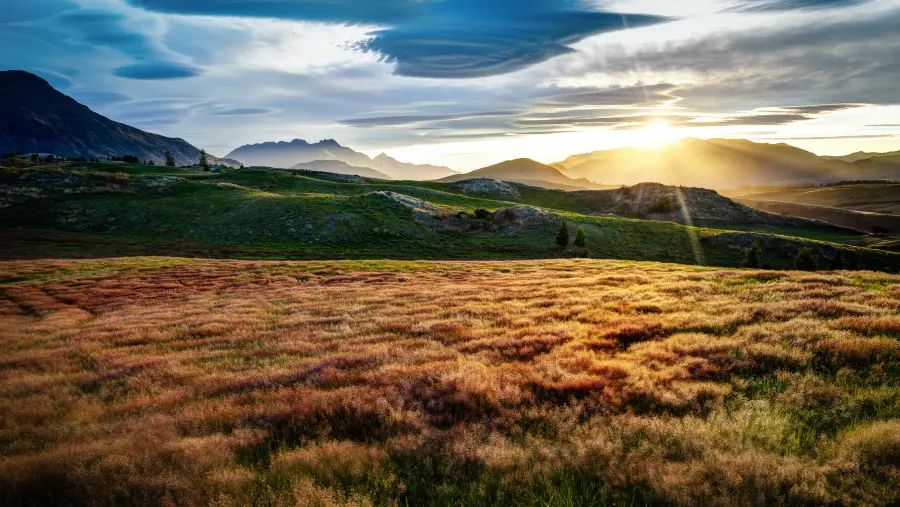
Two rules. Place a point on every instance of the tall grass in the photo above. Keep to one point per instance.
(170, 382)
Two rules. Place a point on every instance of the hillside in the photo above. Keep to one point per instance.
(36, 118)
(861, 155)
(97, 209)
(526, 171)
(406, 171)
(338, 167)
(714, 163)
(859, 220)
(877, 198)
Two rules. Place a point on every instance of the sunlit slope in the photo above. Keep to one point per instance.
(714, 163)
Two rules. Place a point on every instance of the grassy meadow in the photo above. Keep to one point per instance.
(86, 209)
(167, 381)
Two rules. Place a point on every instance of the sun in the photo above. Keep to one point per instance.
(657, 134)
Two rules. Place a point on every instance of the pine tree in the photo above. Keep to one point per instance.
(14, 158)
(753, 255)
(562, 238)
(580, 237)
(204, 161)
(170, 159)
(805, 260)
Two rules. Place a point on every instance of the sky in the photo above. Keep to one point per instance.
(468, 83)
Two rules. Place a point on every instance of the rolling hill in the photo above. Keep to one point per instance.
(525, 171)
(406, 171)
(36, 118)
(78, 209)
(338, 167)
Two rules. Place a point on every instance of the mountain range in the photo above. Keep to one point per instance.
(528, 172)
(723, 163)
(36, 118)
(299, 152)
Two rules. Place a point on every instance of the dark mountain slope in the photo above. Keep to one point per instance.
(35, 117)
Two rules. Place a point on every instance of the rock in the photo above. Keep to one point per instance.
(487, 186)
(408, 201)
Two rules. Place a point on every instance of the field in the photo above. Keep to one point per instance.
(167, 381)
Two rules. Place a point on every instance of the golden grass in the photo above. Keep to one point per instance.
(170, 382)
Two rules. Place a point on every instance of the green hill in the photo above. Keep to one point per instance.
(97, 209)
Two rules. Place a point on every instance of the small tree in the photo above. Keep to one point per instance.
(805, 260)
(837, 262)
(580, 237)
(562, 237)
(753, 255)
(13, 158)
(35, 158)
(170, 159)
(204, 160)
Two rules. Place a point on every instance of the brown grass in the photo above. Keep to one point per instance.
(177, 382)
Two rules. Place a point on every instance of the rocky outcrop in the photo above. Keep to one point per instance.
(486, 186)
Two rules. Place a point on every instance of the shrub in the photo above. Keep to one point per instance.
(35, 158)
(805, 260)
(204, 160)
(753, 255)
(562, 237)
(580, 238)
(170, 159)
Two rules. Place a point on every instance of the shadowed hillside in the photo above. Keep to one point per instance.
(37, 118)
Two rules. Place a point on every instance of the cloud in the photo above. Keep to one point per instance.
(821, 109)
(441, 39)
(395, 121)
(844, 61)
(681, 120)
(791, 5)
(656, 94)
(102, 28)
(244, 111)
(157, 70)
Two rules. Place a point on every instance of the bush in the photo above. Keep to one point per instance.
(753, 255)
(562, 237)
(805, 261)
(580, 238)
(665, 204)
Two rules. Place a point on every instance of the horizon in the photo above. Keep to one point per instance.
(543, 80)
